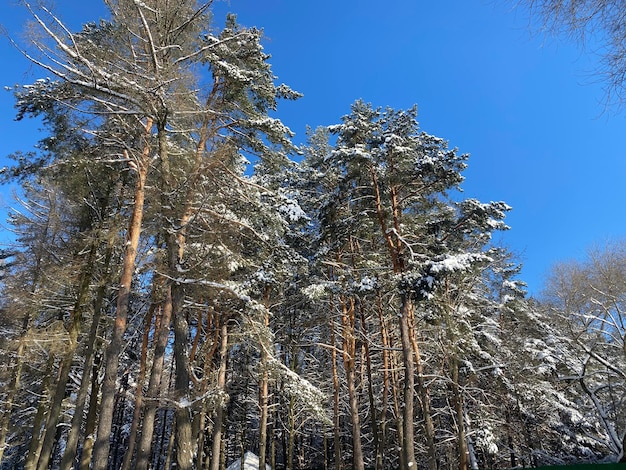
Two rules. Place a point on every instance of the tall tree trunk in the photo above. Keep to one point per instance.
(393, 366)
(175, 240)
(349, 354)
(204, 451)
(384, 338)
(457, 396)
(291, 433)
(336, 395)
(408, 430)
(425, 403)
(264, 390)
(92, 415)
(184, 433)
(154, 385)
(101, 446)
(221, 406)
(370, 385)
(134, 428)
(170, 448)
(263, 403)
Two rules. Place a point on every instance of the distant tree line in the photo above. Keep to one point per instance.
(168, 304)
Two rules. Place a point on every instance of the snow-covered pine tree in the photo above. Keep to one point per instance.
(387, 187)
(174, 104)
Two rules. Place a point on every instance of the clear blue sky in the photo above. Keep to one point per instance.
(527, 109)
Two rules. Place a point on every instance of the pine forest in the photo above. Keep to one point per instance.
(186, 284)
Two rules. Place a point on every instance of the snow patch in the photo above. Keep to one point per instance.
(250, 462)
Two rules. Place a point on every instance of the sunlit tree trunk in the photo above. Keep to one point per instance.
(101, 446)
(408, 438)
(425, 402)
(348, 322)
(384, 338)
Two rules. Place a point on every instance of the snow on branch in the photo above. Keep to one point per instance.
(423, 283)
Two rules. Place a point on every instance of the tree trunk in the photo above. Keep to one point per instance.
(384, 338)
(291, 434)
(170, 447)
(336, 395)
(92, 414)
(204, 453)
(69, 455)
(264, 390)
(221, 387)
(102, 445)
(184, 434)
(154, 385)
(424, 394)
(349, 353)
(370, 386)
(408, 430)
(459, 414)
(134, 428)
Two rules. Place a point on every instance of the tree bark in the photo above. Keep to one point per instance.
(408, 429)
(336, 393)
(424, 394)
(134, 428)
(349, 353)
(184, 434)
(91, 421)
(384, 338)
(459, 414)
(264, 392)
(109, 389)
(370, 387)
(221, 387)
(154, 384)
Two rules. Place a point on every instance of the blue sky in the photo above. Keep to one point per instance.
(528, 109)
